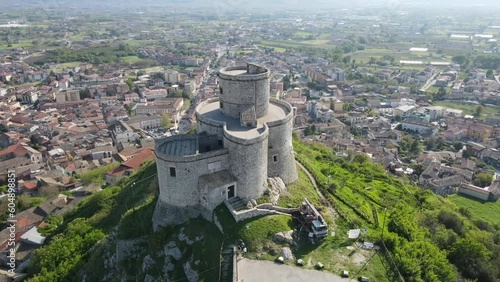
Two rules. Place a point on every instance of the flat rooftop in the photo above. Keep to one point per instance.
(189, 145)
(213, 112)
(236, 72)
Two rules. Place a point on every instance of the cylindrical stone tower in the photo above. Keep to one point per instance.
(243, 87)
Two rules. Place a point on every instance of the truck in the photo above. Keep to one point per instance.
(313, 221)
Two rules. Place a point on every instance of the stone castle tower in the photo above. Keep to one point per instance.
(243, 138)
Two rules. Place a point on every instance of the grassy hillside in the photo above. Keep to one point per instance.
(87, 237)
(487, 211)
(429, 237)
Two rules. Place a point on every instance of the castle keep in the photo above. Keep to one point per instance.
(243, 138)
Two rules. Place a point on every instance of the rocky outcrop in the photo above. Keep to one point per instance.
(276, 188)
(284, 237)
(286, 253)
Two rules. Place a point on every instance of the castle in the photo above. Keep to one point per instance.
(243, 138)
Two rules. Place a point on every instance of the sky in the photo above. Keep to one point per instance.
(256, 5)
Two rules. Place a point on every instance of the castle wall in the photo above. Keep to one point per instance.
(281, 160)
(179, 195)
(240, 91)
(248, 163)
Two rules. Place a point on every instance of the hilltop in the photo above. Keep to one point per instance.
(428, 238)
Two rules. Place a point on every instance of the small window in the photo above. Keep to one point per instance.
(172, 171)
(221, 105)
(275, 158)
(220, 90)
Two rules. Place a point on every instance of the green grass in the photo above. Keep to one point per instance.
(487, 211)
(187, 104)
(130, 59)
(468, 109)
(277, 49)
(293, 43)
(297, 191)
(62, 66)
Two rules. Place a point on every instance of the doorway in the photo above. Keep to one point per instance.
(230, 192)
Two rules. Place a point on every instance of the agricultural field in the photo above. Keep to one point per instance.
(487, 211)
(469, 108)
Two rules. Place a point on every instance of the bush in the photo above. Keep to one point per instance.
(451, 221)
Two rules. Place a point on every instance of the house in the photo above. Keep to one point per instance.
(121, 132)
(152, 94)
(103, 152)
(419, 127)
(67, 95)
(23, 151)
(145, 122)
(446, 185)
(170, 106)
(130, 166)
(454, 133)
(491, 193)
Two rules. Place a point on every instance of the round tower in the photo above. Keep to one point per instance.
(244, 89)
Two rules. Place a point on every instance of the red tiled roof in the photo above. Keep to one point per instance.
(134, 163)
(17, 149)
(30, 185)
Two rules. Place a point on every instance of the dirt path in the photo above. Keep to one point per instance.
(313, 181)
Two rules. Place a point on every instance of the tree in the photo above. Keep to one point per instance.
(422, 261)
(468, 255)
(187, 95)
(479, 111)
(415, 147)
(458, 146)
(346, 107)
(459, 59)
(440, 95)
(166, 121)
(178, 93)
(85, 93)
(483, 179)
(130, 84)
(402, 221)
(489, 73)
(286, 82)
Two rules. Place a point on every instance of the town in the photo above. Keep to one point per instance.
(85, 95)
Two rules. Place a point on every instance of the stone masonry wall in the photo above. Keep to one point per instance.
(280, 146)
(248, 164)
(182, 190)
(241, 91)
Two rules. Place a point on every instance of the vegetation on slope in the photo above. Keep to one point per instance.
(80, 242)
(426, 235)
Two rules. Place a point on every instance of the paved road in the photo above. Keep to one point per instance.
(267, 271)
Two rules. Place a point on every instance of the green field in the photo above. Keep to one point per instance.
(62, 66)
(293, 43)
(468, 109)
(488, 211)
(130, 59)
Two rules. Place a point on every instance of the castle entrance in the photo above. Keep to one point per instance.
(230, 192)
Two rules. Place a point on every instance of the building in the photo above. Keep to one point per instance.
(68, 95)
(122, 133)
(145, 122)
(419, 127)
(130, 166)
(29, 97)
(152, 94)
(243, 138)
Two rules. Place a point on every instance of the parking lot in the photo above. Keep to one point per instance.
(267, 271)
